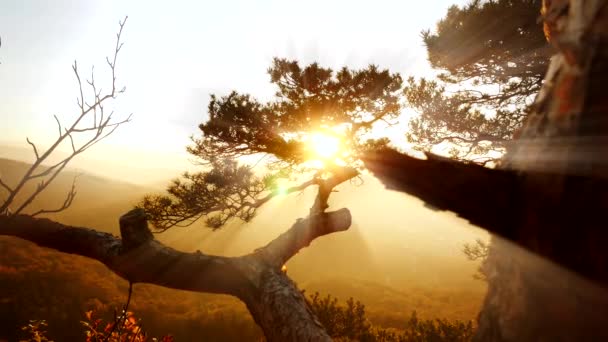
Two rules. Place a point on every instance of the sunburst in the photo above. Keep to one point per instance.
(323, 146)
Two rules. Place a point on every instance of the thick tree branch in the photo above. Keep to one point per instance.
(511, 204)
(137, 257)
(444, 183)
(275, 302)
(340, 174)
(302, 233)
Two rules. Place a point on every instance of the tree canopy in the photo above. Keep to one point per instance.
(470, 43)
(497, 65)
(309, 100)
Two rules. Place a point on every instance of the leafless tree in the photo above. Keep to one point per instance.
(92, 124)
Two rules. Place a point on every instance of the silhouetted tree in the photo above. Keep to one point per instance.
(491, 57)
(308, 101)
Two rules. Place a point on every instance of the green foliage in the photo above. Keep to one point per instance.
(227, 190)
(492, 57)
(349, 323)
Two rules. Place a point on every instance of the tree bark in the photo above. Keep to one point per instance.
(280, 309)
(273, 299)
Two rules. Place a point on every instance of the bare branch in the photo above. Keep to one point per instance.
(48, 170)
(69, 198)
(71, 141)
(5, 186)
(34, 147)
(80, 100)
(99, 129)
(58, 125)
(42, 186)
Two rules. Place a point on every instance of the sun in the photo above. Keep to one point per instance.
(324, 146)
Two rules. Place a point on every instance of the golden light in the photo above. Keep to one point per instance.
(324, 146)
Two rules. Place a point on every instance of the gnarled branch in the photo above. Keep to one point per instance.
(134, 258)
(138, 258)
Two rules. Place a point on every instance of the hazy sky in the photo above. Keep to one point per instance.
(177, 53)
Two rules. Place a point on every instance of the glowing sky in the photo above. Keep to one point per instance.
(177, 53)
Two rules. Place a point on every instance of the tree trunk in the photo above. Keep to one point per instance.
(566, 135)
(275, 302)
(551, 196)
(280, 309)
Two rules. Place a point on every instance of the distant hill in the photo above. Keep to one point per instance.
(131, 167)
(98, 204)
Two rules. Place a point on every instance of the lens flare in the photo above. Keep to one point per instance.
(282, 187)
